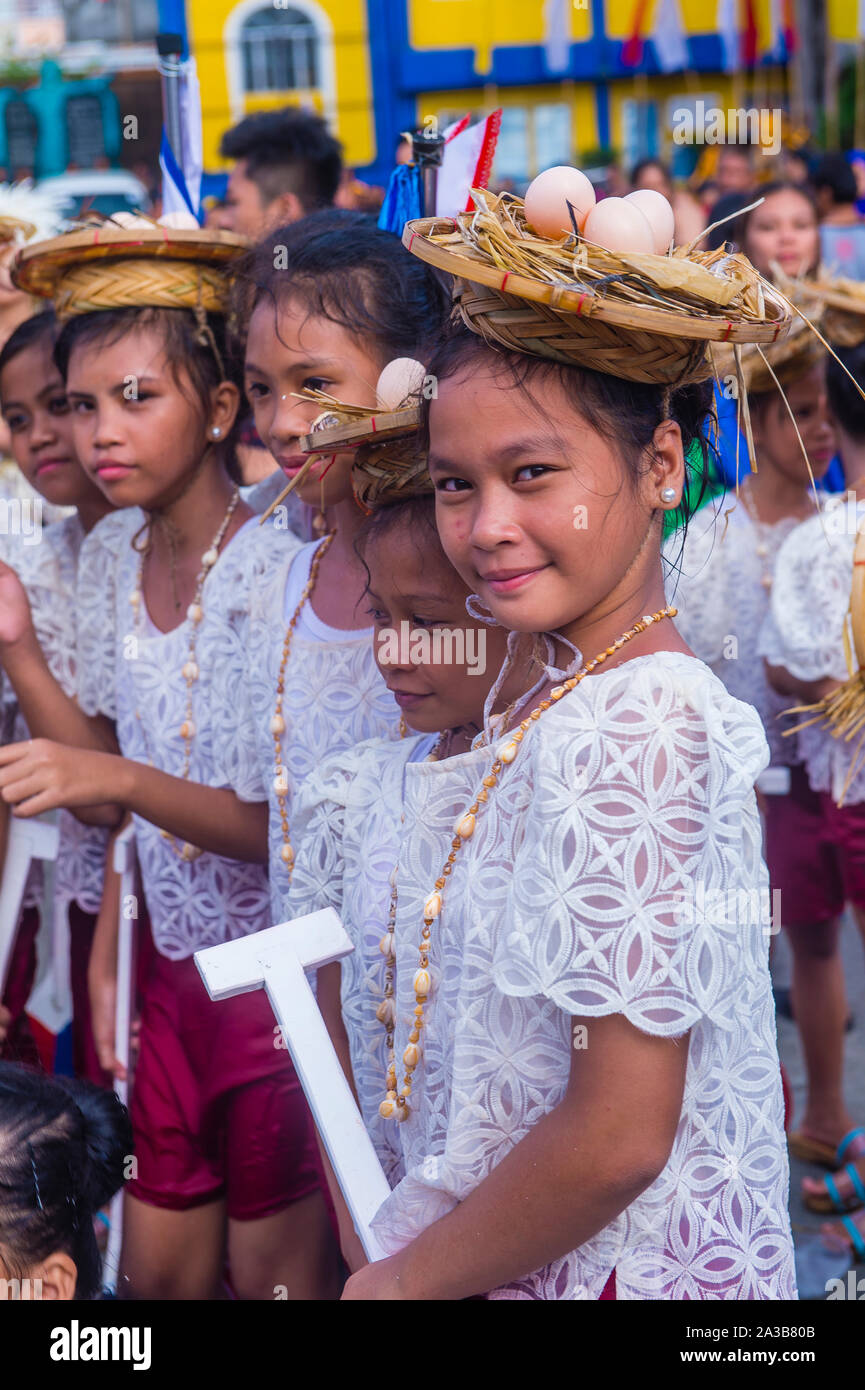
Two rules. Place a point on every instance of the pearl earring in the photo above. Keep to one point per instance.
(668, 494)
(216, 431)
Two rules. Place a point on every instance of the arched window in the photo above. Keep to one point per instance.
(280, 50)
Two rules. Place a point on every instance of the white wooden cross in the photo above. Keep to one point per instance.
(27, 840)
(124, 865)
(276, 960)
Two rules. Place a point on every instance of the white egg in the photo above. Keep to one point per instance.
(180, 221)
(548, 196)
(658, 213)
(128, 219)
(618, 225)
(400, 379)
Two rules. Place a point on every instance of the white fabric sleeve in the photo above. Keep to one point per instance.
(635, 824)
(803, 631)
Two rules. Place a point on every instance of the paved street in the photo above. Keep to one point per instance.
(805, 1223)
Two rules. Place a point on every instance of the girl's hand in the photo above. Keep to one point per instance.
(102, 987)
(16, 620)
(379, 1280)
(5, 1021)
(40, 775)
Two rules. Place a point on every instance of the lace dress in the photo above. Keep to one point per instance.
(334, 698)
(803, 630)
(615, 869)
(48, 572)
(129, 667)
(718, 582)
(347, 827)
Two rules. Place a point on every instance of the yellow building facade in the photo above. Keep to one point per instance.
(556, 67)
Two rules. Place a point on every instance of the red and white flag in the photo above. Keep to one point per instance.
(467, 163)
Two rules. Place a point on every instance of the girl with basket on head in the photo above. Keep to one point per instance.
(587, 1005)
(328, 303)
(224, 1145)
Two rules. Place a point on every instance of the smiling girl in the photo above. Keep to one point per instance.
(348, 813)
(344, 300)
(595, 1083)
(36, 411)
(223, 1143)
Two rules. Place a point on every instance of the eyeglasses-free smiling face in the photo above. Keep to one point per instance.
(536, 510)
(289, 351)
(414, 590)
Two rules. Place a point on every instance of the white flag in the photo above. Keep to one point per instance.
(181, 169)
(557, 35)
(728, 32)
(668, 36)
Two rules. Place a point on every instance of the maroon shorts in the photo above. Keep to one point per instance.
(815, 853)
(217, 1109)
(19, 1045)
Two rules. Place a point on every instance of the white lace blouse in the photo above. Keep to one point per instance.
(615, 869)
(48, 572)
(131, 672)
(721, 585)
(803, 630)
(334, 698)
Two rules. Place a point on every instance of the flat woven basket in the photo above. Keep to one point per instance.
(841, 301)
(115, 268)
(641, 317)
(388, 467)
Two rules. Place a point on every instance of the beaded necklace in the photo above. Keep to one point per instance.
(277, 722)
(189, 669)
(396, 1104)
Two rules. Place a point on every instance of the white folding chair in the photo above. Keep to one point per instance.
(27, 840)
(276, 959)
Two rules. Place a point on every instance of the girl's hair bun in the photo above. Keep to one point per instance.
(107, 1135)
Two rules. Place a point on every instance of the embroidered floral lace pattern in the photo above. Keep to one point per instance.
(803, 630)
(124, 668)
(607, 875)
(715, 581)
(334, 699)
(347, 824)
(48, 572)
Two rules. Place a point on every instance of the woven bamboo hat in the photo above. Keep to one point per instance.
(767, 367)
(839, 302)
(637, 316)
(110, 267)
(388, 465)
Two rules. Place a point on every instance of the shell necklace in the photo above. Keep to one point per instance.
(277, 722)
(189, 669)
(396, 1103)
